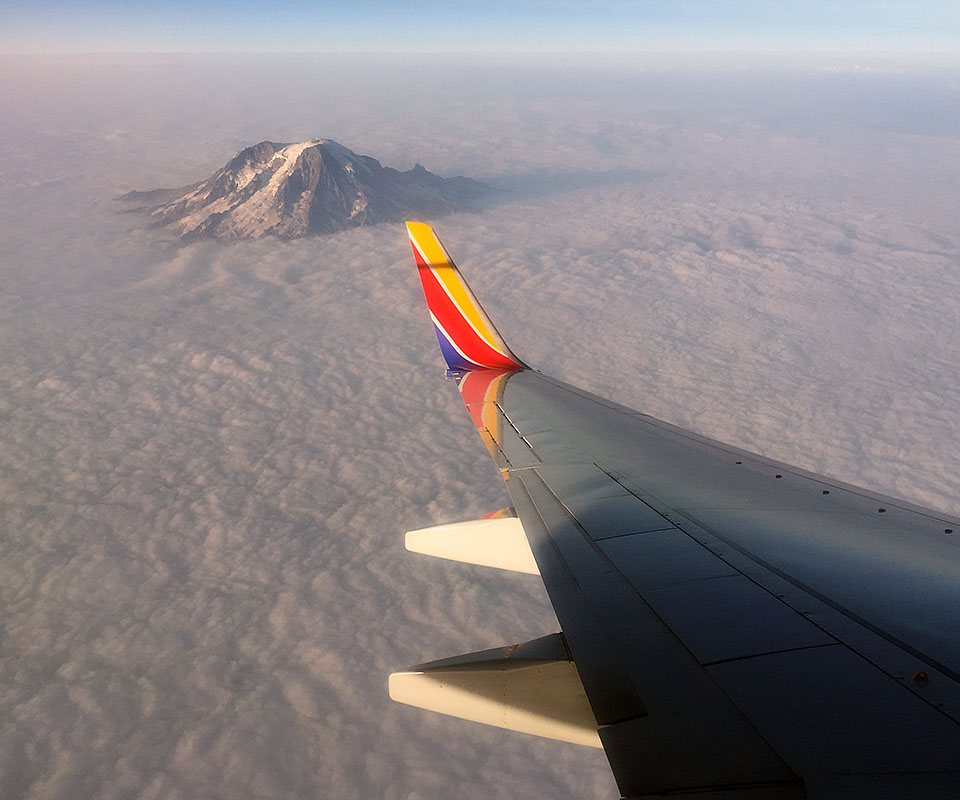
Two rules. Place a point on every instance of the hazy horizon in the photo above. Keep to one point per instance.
(432, 26)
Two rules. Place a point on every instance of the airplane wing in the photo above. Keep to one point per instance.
(732, 627)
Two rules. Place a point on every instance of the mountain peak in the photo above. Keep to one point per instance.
(314, 186)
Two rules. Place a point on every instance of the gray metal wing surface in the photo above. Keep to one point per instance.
(738, 624)
(741, 628)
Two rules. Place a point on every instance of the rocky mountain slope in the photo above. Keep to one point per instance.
(293, 190)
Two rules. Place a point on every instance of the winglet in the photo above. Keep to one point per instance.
(468, 339)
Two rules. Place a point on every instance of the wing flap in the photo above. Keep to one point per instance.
(644, 684)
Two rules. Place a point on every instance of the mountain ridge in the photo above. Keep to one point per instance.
(292, 190)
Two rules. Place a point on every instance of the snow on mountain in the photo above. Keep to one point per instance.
(317, 186)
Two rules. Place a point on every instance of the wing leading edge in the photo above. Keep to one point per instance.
(740, 628)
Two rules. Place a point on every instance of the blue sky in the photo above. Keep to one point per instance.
(521, 26)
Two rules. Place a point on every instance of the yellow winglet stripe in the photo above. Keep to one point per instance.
(436, 256)
(428, 244)
(491, 419)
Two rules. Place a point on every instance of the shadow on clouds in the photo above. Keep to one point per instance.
(512, 187)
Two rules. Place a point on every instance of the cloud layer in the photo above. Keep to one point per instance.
(211, 452)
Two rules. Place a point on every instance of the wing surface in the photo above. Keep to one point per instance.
(741, 628)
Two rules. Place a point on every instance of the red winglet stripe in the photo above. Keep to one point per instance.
(467, 340)
(473, 388)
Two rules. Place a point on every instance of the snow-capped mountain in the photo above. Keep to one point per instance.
(317, 186)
